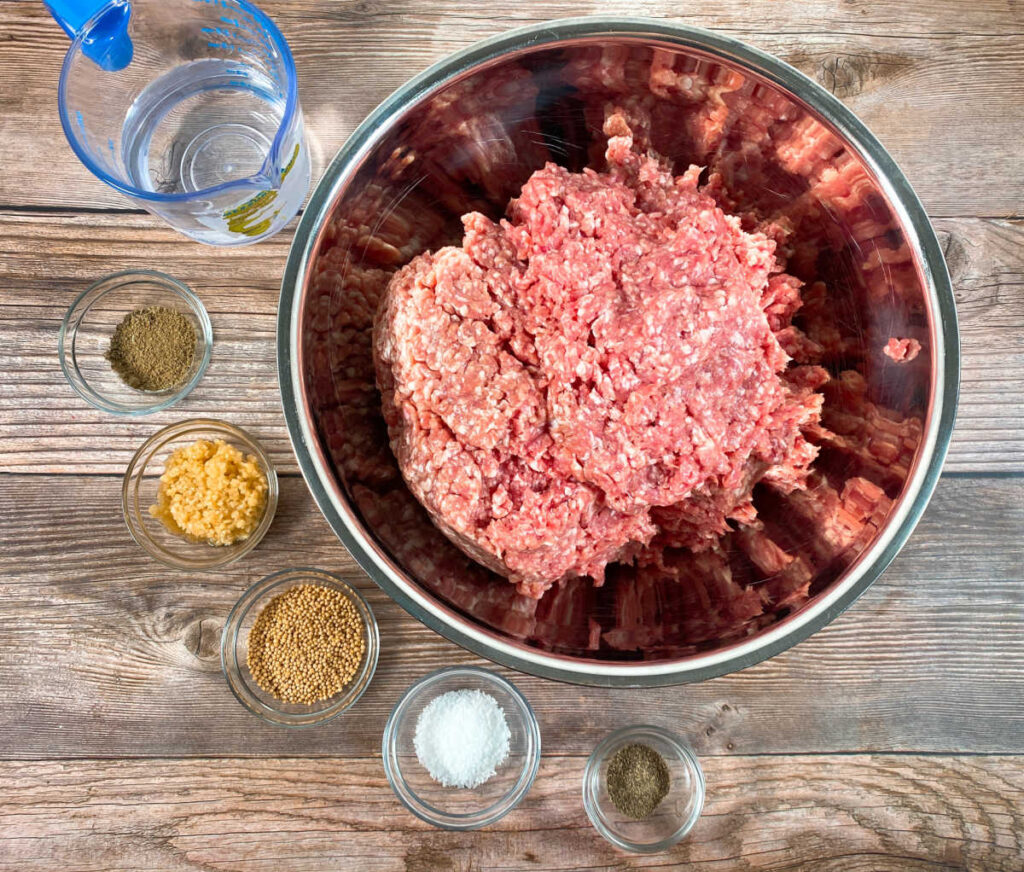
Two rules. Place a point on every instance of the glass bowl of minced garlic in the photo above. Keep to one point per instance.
(299, 647)
(199, 494)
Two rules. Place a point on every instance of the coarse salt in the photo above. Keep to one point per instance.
(462, 737)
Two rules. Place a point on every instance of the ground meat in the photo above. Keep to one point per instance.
(597, 370)
(902, 350)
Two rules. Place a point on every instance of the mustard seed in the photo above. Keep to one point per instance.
(306, 644)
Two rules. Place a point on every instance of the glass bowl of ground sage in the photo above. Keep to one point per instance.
(461, 748)
(299, 647)
(643, 789)
(135, 342)
(199, 494)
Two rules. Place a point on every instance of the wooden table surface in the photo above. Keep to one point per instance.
(893, 739)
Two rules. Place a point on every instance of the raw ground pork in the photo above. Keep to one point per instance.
(609, 367)
(901, 350)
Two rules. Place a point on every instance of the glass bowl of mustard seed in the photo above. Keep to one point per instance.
(135, 342)
(299, 647)
(643, 789)
(199, 494)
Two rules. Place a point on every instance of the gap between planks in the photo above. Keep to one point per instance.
(570, 755)
(290, 474)
(43, 209)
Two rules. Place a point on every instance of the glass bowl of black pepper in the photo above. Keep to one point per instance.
(135, 342)
(643, 789)
(285, 637)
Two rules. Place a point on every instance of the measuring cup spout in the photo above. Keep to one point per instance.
(105, 24)
(267, 181)
(277, 175)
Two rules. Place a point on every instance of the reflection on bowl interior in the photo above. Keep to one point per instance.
(469, 146)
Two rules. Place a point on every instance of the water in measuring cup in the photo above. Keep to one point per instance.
(203, 124)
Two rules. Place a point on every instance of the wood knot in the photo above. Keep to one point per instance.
(202, 639)
(957, 257)
(427, 858)
(847, 75)
(722, 718)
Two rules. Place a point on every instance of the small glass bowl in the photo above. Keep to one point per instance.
(142, 481)
(453, 808)
(676, 813)
(234, 649)
(90, 322)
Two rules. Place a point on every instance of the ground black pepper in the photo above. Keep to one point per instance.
(638, 780)
(152, 348)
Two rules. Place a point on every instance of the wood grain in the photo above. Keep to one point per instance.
(105, 653)
(856, 814)
(45, 261)
(938, 84)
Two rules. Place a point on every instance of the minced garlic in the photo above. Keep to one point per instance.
(211, 492)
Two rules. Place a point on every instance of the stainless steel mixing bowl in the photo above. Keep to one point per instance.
(465, 135)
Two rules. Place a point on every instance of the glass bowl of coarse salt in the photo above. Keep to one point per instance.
(461, 748)
(135, 342)
(199, 494)
(299, 647)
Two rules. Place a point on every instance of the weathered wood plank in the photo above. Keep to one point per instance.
(986, 264)
(45, 262)
(105, 653)
(854, 814)
(937, 83)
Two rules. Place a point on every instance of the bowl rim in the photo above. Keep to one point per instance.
(420, 807)
(921, 480)
(131, 509)
(89, 297)
(233, 625)
(592, 776)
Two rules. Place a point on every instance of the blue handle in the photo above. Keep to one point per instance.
(106, 41)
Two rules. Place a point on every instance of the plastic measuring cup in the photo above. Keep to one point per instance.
(188, 107)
